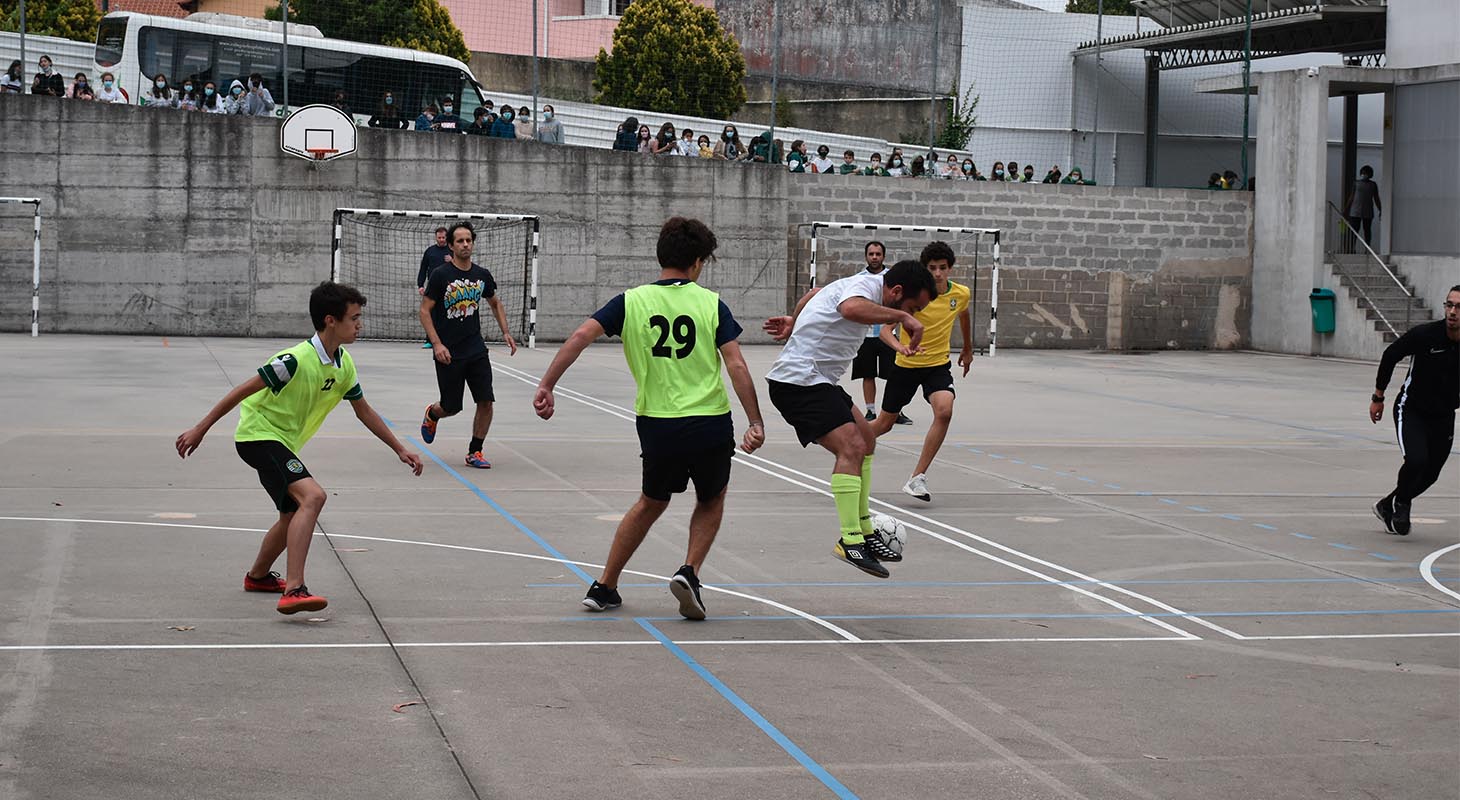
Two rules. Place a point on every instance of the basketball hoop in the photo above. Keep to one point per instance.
(321, 153)
(318, 133)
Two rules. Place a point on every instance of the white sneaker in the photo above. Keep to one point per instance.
(917, 486)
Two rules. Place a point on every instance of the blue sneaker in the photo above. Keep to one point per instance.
(428, 427)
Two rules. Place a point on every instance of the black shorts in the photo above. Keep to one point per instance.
(813, 411)
(874, 359)
(668, 474)
(903, 383)
(453, 378)
(277, 466)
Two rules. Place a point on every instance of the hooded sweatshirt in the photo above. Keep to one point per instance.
(234, 104)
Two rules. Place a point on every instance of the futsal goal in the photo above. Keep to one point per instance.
(837, 251)
(379, 252)
(20, 262)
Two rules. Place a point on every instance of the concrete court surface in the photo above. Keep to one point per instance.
(1141, 576)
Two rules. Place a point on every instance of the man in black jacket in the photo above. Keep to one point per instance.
(1424, 412)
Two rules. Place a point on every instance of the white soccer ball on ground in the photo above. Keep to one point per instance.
(890, 531)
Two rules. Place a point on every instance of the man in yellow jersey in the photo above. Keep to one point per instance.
(284, 403)
(685, 430)
(928, 367)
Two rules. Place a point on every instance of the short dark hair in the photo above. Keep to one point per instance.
(869, 244)
(441, 229)
(1366, 171)
(913, 277)
(257, 76)
(451, 232)
(935, 251)
(1455, 288)
(682, 241)
(330, 299)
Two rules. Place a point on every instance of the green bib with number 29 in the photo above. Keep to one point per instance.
(669, 342)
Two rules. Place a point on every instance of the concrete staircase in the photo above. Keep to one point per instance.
(1362, 276)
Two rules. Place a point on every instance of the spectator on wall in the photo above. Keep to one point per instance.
(797, 161)
(387, 114)
(503, 128)
(212, 101)
(1054, 175)
(969, 171)
(874, 167)
(191, 96)
(1076, 178)
(233, 103)
(765, 151)
(627, 138)
(950, 170)
(448, 121)
(160, 95)
(524, 125)
(644, 140)
(81, 88)
(1363, 201)
(1230, 180)
(428, 115)
(822, 164)
(257, 102)
(663, 143)
(110, 92)
(686, 145)
(550, 130)
(48, 81)
(706, 151)
(998, 171)
(13, 81)
(730, 147)
(479, 126)
(342, 102)
(1028, 174)
(897, 168)
(1214, 181)
(849, 163)
(1012, 176)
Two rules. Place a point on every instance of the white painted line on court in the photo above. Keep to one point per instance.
(1353, 636)
(747, 458)
(839, 631)
(1427, 570)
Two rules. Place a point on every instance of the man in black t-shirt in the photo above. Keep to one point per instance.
(435, 255)
(451, 315)
(1424, 412)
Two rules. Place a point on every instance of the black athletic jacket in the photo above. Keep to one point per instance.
(1433, 384)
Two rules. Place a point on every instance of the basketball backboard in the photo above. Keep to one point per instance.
(318, 132)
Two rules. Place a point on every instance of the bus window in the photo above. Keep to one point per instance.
(111, 36)
(438, 84)
(155, 47)
(371, 77)
(239, 58)
(471, 99)
(194, 58)
(325, 72)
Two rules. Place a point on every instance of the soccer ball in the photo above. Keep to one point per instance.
(890, 531)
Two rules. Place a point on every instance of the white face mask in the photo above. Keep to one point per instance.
(46, 69)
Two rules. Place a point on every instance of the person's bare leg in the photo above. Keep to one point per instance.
(310, 496)
(272, 546)
(942, 403)
(849, 446)
(630, 534)
(704, 524)
(482, 421)
(869, 392)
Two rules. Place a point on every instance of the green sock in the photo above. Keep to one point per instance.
(845, 490)
(864, 497)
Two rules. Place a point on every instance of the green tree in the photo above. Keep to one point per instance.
(1112, 7)
(71, 19)
(417, 24)
(961, 120)
(672, 56)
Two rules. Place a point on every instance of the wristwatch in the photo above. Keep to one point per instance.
(1376, 397)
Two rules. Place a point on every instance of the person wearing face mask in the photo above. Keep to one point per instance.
(12, 82)
(110, 92)
(1013, 174)
(81, 88)
(874, 167)
(896, 168)
(233, 103)
(1076, 178)
(1054, 175)
(387, 114)
(160, 95)
(686, 146)
(998, 173)
(480, 124)
(212, 103)
(502, 127)
(765, 151)
(448, 121)
(706, 151)
(822, 164)
(950, 169)
(191, 97)
(48, 81)
(968, 171)
(1028, 174)
(730, 148)
(664, 143)
(523, 124)
(341, 102)
(550, 130)
(257, 101)
(797, 160)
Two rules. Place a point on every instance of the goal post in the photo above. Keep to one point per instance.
(378, 251)
(978, 234)
(35, 258)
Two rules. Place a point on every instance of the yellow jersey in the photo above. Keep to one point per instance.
(937, 319)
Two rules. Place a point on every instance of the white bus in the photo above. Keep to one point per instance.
(223, 47)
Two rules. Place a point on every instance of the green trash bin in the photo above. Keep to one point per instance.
(1321, 301)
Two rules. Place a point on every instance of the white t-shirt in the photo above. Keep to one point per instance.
(823, 165)
(824, 342)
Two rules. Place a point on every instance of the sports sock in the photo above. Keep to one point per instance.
(845, 490)
(864, 509)
(475, 446)
(871, 408)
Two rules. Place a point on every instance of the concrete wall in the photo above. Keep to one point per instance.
(161, 222)
(1081, 267)
(1422, 33)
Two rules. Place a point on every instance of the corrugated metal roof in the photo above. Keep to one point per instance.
(1176, 13)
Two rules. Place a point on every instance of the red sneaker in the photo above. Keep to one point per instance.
(272, 583)
(297, 600)
(478, 460)
(428, 426)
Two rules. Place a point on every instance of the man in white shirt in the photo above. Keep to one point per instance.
(821, 337)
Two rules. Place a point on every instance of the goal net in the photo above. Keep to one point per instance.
(836, 250)
(20, 264)
(380, 252)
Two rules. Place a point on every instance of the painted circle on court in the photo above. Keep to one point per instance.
(174, 515)
(609, 517)
(1427, 521)
(1039, 520)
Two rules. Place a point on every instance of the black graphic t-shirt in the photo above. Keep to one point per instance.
(460, 297)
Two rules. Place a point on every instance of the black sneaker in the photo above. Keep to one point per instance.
(860, 556)
(686, 589)
(1384, 510)
(879, 548)
(601, 598)
(1401, 518)
(871, 416)
(902, 419)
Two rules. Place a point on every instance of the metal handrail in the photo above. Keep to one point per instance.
(1408, 293)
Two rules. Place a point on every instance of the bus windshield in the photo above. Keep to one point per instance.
(111, 35)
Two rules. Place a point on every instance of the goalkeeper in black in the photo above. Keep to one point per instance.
(1424, 411)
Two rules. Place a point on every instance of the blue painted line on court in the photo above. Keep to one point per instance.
(1085, 479)
(1199, 509)
(1112, 486)
(1233, 517)
(1168, 501)
(1038, 467)
(1143, 494)
(1301, 535)
(994, 455)
(1342, 546)
(497, 507)
(1264, 526)
(1062, 474)
(1016, 461)
(1386, 558)
(806, 761)
(894, 584)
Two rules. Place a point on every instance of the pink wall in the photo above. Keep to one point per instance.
(505, 26)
